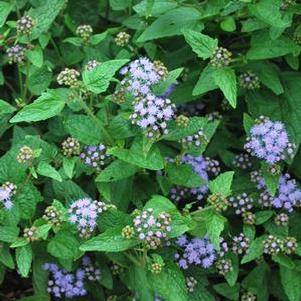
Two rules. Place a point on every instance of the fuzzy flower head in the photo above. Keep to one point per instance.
(84, 213)
(68, 77)
(84, 31)
(62, 283)
(151, 114)
(16, 54)
(152, 230)
(195, 251)
(7, 190)
(140, 75)
(25, 25)
(95, 156)
(269, 141)
(122, 39)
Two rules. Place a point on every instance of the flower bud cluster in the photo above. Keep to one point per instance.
(272, 245)
(190, 283)
(95, 156)
(247, 296)
(151, 230)
(240, 244)
(221, 57)
(224, 266)
(92, 64)
(195, 140)
(53, 216)
(16, 54)
(281, 219)
(156, 268)
(224, 248)
(71, 147)
(128, 232)
(91, 272)
(122, 39)
(116, 269)
(241, 203)
(25, 25)
(286, 4)
(68, 77)
(249, 218)
(242, 161)
(218, 202)
(182, 121)
(25, 154)
(30, 234)
(84, 31)
(249, 80)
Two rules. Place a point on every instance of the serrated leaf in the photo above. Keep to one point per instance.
(6, 108)
(225, 79)
(48, 105)
(5, 9)
(290, 280)
(98, 79)
(109, 241)
(206, 81)
(8, 233)
(255, 250)
(231, 293)
(46, 170)
(201, 44)
(24, 259)
(35, 56)
(222, 183)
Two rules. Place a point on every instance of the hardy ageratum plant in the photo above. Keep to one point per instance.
(134, 164)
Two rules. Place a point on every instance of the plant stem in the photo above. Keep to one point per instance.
(89, 112)
(20, 81)
(132, 259)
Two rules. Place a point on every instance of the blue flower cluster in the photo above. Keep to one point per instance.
(65, 284)
(7, 190)
(83, 213)
(150, 112)
(287, 197)
(269, 141)
(195, 251)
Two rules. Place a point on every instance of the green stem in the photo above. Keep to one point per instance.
(55, 47)
(25, 88)
(89, 112)
(132, 259)
(20, 81)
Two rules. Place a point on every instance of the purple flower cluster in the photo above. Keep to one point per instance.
(151, 113)
(95, 156)
(91, 272)
(203, 167)
(5, 197)
(139, 76)
(288, 194)
(83, 213)
(195, 251)
(65, 284)
(269, 141)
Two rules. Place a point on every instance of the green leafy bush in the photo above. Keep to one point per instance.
(150, 150)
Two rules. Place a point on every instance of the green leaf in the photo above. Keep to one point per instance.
(162, 284)
(5, 9)
(24, 259)
(184, 175)
(64, 246)
(6, 258)
(98, 38)
(83, 128)
(76, 41)
(262, 47)
(109, 241)
(35, 56)
(206, 81)
(44, 15)
(201, 44)
(284, 261)
(263, 216)
(215, 226)
(45, 169)
(117, 170)
(290, 280)
(69, 165)
(232, 276)
(228, 24)
(271, 181)
(98, 79)
(225, 79)
(248, 123)
(231, 293)
(48, 105)
(8, 233)
(152, 160)
(39, 79)
(172, 23)
(6, 108)
(159, 7)
(35, 298)
(255, 250)
(222, 183)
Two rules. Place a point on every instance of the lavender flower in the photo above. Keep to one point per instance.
(139, 76)
(240, 244)
(83, 213)
(195, 252)
(65, 284)
(7, 190)
(95, 156)
(16, 54)
(151, 113)
(269, 141)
